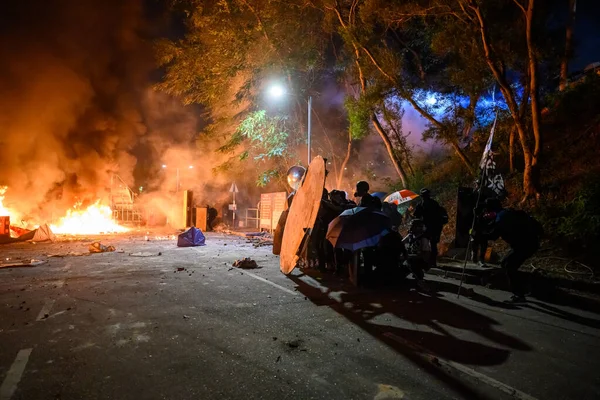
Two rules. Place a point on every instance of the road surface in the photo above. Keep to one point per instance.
(186, 324)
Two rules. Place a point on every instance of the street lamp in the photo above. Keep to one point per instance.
(164, 166)
(277, 91)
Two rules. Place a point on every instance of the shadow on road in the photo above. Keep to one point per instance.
(427, 325)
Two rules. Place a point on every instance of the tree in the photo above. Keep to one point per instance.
(564, 62)
(231, 50)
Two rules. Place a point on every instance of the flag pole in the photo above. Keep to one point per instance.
(482, 164)
(464, 269)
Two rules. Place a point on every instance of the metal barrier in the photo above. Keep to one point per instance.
(255, 218)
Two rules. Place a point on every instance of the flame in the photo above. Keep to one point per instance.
(95, 219)
(5, 211)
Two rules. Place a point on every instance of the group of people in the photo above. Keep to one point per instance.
(418, 250)
(393, 250)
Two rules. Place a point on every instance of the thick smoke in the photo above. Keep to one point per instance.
(75, 103)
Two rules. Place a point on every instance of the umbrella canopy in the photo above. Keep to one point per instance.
(357, 228)
(401, 196)
(379, 195)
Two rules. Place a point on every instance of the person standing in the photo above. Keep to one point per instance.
(434, 217)
(366, 200)
(522, 232)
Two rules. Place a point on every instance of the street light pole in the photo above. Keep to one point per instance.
(309, 124)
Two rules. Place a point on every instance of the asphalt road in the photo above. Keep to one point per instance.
(187, 325)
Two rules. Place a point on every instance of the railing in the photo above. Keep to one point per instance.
(255, 216)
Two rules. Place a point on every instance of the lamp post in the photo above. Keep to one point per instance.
(164, 166)
(277, 91)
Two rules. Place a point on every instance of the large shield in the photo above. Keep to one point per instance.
(302, 214)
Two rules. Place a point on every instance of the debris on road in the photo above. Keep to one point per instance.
(186, 316)
(145, 254)
(21, 263)
(98, 247)
(245, 263)
(69, 254)
(179, 269)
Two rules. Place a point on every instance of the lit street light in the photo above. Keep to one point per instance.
(277, 91)
(164, 166)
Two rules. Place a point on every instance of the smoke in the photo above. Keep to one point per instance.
(75, 103)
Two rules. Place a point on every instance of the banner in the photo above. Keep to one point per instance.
(491, 179)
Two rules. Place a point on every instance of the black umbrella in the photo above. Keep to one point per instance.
(357, 228)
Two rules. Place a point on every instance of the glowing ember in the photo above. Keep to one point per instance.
(94, 219)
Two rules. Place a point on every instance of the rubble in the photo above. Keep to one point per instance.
(21, 263)
(98, 247)
(245, 263)
(145, 254)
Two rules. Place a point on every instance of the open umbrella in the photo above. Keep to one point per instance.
(357, 228)
(401, 196)
(379, 195)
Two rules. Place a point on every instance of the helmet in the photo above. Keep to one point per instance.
(295, 175)
(425, 192)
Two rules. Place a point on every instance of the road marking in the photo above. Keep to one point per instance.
(271, 283)
(14, 374)
(45, 310)
(517, 394)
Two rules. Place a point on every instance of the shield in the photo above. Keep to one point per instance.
(401, 197)
(302, 214)
(357, 228)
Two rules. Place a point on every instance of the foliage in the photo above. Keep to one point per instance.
(359, 115)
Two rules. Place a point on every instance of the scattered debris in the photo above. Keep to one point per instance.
(145, 254)
(278, 359)
(179, 269)
(69, 254)
(186, 316)
(98, 247)
(245, 263)
(22, 263)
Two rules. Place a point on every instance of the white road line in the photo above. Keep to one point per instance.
(260, 278)
(14, 374)
(517, 394)
(271, 283)
(45, 310)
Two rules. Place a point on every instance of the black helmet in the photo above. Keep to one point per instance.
(425, 193)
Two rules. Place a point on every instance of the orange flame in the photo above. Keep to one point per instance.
(5, 211)
(95, 219)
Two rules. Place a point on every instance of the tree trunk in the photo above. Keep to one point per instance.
(511, 150)
(390, 149)
(564, 63)
(533, 88)
(345, 162)
(461, 154)
(529, 182)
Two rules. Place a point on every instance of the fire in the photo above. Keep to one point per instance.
(95, 219)
(5, 211)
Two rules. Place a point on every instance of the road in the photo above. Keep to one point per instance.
(185, 324)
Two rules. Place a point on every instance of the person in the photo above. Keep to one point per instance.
(366, 200)
(391, 210)
(211, 217)
(522, 233)
(434, 217)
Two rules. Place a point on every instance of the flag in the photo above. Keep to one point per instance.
(491, 179)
